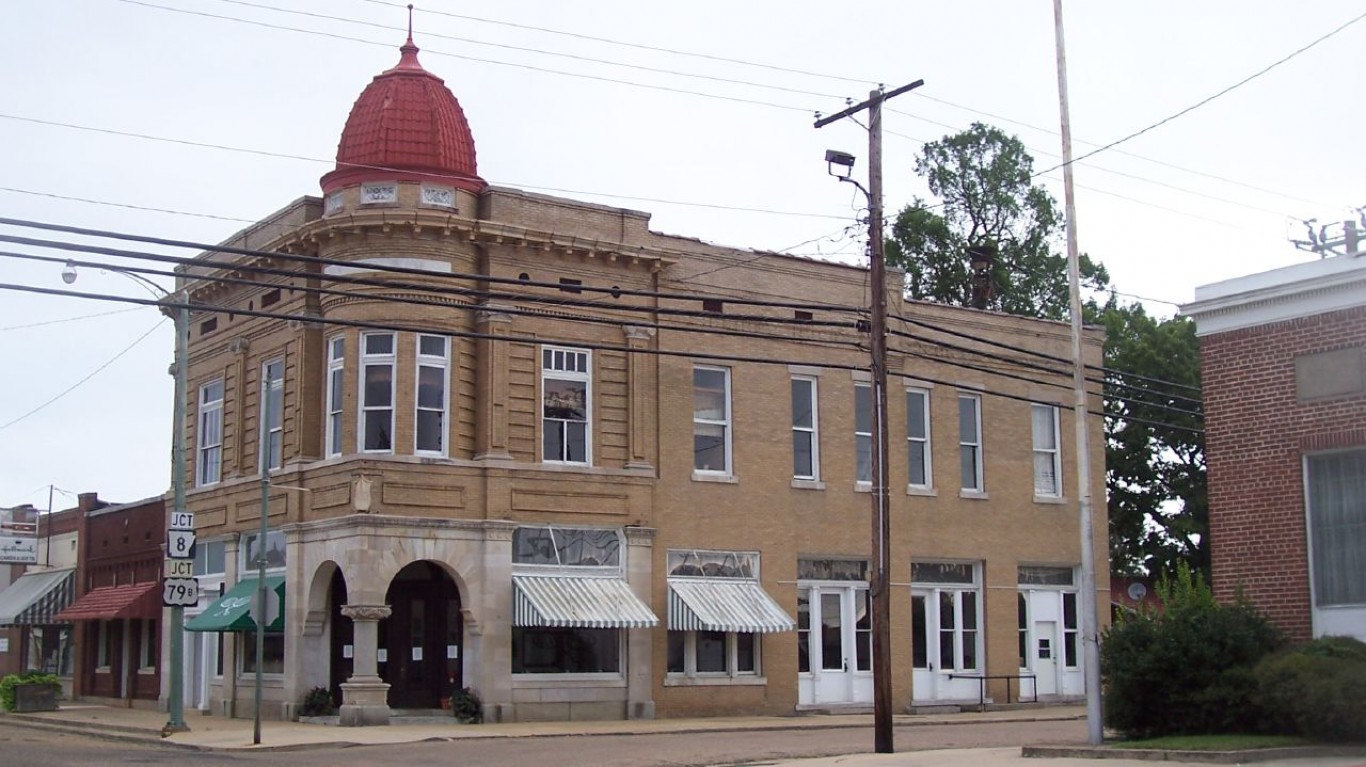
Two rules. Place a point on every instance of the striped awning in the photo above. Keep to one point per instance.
(583, 601)
(36, 598)
(724, 604)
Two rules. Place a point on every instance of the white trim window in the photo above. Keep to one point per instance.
(970, 442)
(103, 657)
(273, 387)
(946, 600)
(702, 652)
(1047, 454)
(336, 386)
(566, 405)
(918, 464)
(377, 360)
(711, 420)
(1335, 494)
(210, 444)
(863, 433)
(432, 400)
(806, 460)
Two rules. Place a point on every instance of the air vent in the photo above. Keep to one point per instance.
(570, 285)
(208, 326)
(271, 298)
(714, 305)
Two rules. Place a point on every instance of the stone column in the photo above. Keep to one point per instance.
(491, 389)
(364, 695)
(640, 703)
(639, 396)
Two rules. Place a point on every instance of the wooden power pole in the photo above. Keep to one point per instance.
(879, 580)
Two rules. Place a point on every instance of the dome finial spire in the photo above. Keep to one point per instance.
(410, 23)
(408, 52)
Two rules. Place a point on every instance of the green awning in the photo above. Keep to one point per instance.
(232, 611)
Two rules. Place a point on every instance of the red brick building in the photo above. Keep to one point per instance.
(1284, 371)
(117, 610)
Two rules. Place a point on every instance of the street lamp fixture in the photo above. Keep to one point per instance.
(175, 705)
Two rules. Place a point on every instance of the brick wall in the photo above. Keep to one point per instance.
(1257, 432)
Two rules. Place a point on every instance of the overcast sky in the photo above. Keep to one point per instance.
(1208, 196)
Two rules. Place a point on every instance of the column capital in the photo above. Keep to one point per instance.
(366, 612)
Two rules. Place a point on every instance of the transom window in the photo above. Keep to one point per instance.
(566, 547)
(566, 402)
(711, 420)
(433, 371)
(274, 553)
(697, 563)
(210, 447)
(1047, 456)
(970, 441)
(377, 392)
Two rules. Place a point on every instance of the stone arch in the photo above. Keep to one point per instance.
(316, 596)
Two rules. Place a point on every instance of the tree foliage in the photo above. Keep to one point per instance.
(1155, 452)
(1155, 474)
(984, 181)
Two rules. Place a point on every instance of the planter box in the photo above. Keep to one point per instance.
(35, 697)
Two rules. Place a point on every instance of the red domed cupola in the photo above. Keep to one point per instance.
(406, 126)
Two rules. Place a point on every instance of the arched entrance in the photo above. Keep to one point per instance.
(342, 639)
(420, 641)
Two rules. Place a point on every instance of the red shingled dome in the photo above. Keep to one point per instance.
(406, 125)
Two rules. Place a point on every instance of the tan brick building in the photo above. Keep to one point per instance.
(527, 445)
(1283, 365)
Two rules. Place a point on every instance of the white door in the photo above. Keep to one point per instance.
(836, 637)
(1045, 660)
(945, 645)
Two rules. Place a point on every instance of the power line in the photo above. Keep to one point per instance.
(639, 46)
(544, 70)
(364, 166)
(89, 376)
(68, 319)
(129, 206)
(1208, 99)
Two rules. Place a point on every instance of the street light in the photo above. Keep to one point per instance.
(175, 701)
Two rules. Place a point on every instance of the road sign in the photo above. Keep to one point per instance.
(180, 592)
(179, 544)
(178, 568)
(182, 520)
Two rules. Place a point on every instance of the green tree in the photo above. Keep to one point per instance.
(983, 179)
(1155, 467)
(1155, 449)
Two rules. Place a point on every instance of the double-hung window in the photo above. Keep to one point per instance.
(711, 420)
(863, 433)
(566, 405)
(336, 382)
(970, 441)
(805, 433)
(377, 392)
(919, 474)
(274, 552)
(433, 371)
(210, 447)
(273, 403)
(1047, 456)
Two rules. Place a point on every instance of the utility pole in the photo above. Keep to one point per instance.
(1090, 628)
(879, 580)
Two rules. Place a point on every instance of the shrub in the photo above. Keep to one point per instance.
(1317, 690)
(1188, 669)
(317, 702)
(466, 706)
(11, 681)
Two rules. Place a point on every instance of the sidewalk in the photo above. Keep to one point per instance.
(209, 733)
(219, 733)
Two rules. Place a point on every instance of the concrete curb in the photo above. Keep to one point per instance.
(1198, 757)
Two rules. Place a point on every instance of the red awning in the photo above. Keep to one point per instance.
(108, 603)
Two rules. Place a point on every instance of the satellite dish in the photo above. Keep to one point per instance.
(1137, 591)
